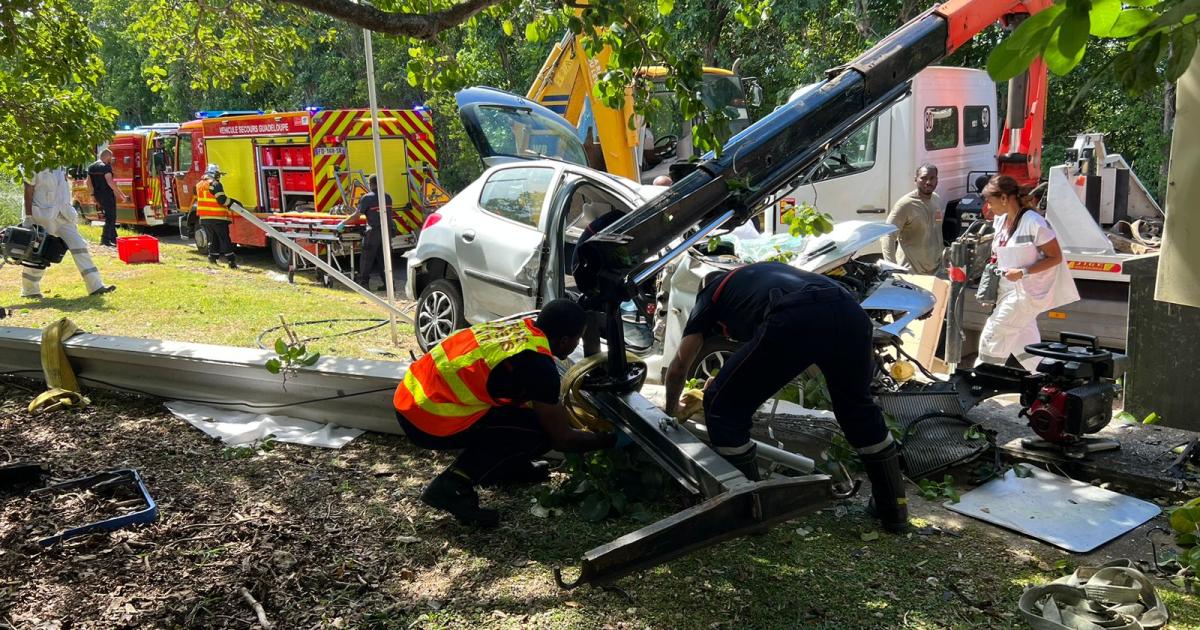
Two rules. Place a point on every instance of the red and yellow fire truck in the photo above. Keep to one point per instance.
(144, 164)
(308, 166)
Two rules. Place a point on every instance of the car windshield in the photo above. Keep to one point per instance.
(520, 133)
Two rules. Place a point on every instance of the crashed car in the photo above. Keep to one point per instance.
(504, 244)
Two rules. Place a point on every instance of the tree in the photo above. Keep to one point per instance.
(1149, 32)
(49, 70)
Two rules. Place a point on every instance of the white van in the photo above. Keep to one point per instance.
(949, 119)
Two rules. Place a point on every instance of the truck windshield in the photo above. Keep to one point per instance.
(720, 92)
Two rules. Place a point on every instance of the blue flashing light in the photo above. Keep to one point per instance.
(126, 127)
(312, 109)
(217, 113)
(420, 108)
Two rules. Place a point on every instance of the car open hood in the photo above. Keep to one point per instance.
(505, 127)
(825, 252)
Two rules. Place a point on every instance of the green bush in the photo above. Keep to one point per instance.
(10, 202)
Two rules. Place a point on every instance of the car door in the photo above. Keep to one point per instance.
(501, 245)
(500, 251)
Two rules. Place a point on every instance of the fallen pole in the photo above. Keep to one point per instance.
(320, 264)
(348, 392)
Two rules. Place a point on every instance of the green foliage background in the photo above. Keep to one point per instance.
(159, 67)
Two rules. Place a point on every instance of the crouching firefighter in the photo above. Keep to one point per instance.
(788, 320)
(212, 207)
(492, 390)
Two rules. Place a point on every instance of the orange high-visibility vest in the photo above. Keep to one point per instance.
(206, 203)
(445, 391)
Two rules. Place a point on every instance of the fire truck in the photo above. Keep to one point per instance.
(310, 166)
(303, 169)
(144, 163)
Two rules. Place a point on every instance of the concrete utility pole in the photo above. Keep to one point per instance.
(384, 218)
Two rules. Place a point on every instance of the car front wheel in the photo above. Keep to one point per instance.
(439, 313)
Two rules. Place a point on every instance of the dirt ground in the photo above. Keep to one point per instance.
(325, 538)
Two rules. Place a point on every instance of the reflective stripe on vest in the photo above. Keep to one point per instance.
(445, 391)
(206, 203)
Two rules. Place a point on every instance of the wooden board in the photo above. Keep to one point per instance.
(923, 341)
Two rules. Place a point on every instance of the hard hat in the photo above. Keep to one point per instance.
(213, 170)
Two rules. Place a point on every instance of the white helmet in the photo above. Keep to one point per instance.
(213, 171)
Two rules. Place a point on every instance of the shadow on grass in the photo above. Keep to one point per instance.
(66, 305)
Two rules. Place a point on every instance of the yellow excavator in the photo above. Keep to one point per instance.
(564, 85)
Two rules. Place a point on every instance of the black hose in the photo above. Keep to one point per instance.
(377, 323)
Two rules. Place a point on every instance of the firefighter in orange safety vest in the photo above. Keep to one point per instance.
(212, 207)
(492, 390)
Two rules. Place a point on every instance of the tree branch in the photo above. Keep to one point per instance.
(416, 25)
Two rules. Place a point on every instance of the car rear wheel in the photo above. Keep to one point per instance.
(712, 357)
(439, 313)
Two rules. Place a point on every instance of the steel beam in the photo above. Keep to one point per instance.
(223, 376)
(748, 509)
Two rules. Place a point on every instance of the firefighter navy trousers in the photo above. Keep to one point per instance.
(823, 327)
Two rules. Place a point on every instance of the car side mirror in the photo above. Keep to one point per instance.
(756, 94)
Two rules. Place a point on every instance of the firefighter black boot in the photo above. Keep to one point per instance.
(887, 489)
(745, 461)
(233, 262)
(451, 491)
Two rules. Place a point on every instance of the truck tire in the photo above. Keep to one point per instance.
(439, 312)
(281, 255)
(201, 238)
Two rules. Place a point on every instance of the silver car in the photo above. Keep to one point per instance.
(503, 244)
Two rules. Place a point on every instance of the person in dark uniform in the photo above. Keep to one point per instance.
(788, 320)
(492, 390)
(105, 191)
(370, 262)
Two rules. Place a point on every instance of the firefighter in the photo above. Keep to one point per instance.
(789, 319)
(371, 261)
(492, 390)
(212, 206)
(48, 204)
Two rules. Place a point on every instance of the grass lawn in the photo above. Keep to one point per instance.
(184, 298)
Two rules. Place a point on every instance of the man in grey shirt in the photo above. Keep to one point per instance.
(918, 244)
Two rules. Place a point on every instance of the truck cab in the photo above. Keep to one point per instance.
(948, 119)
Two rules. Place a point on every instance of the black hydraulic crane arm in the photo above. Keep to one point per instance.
(761, 160)
(757, 163)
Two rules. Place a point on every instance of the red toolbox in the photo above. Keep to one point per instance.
(137, 249)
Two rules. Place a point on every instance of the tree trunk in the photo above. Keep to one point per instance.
(1168, 127)
(719, 10)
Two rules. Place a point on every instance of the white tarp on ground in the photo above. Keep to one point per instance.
(1061, 511)
(239, 428)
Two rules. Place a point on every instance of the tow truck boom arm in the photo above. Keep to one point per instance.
(776, 150)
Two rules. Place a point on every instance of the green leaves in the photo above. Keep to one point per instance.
(1013, 55)
(1130, 21)
(291, 357)
(665, 7)
(1066, 46)
(1104, 14)
(1183, 48)
(938, 490)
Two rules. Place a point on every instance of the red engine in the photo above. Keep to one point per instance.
(1048, 415)
(1071, 395)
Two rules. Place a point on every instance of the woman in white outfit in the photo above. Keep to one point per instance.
(1034, 276)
